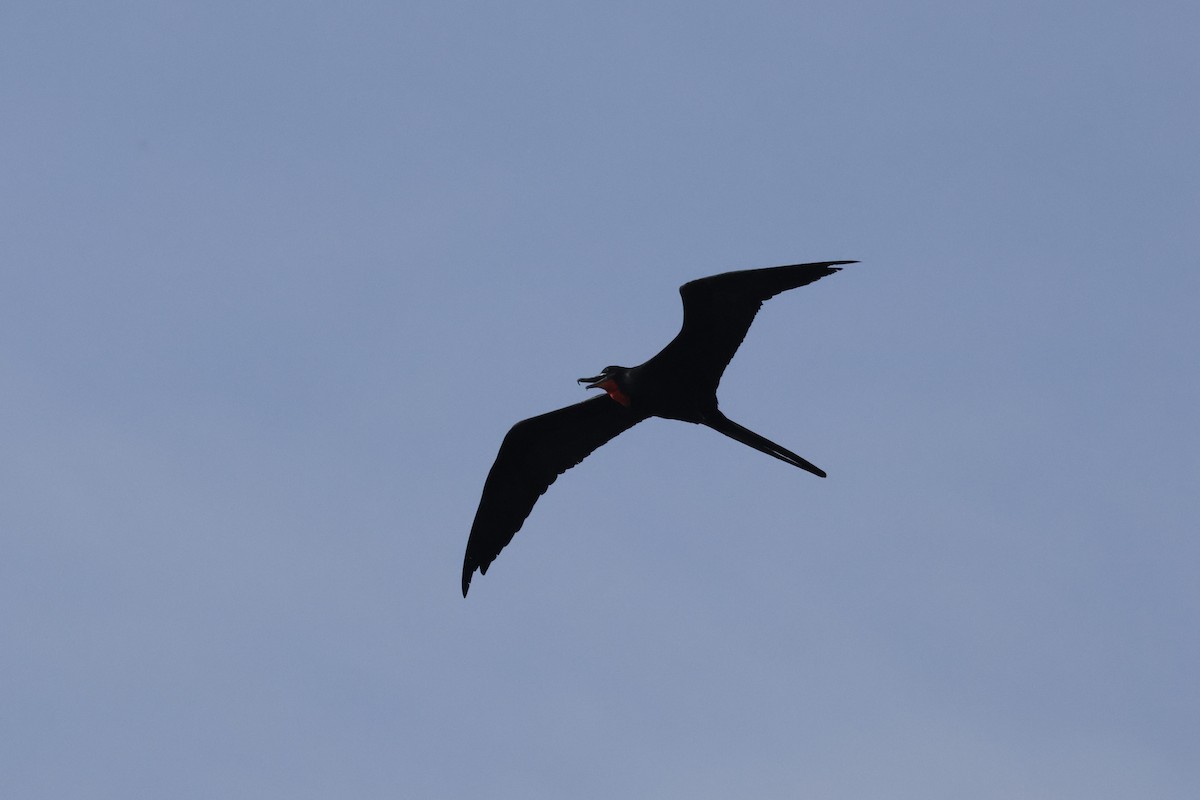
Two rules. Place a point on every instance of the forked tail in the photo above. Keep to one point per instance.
(723, 424)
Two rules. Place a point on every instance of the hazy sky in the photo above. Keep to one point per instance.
(278, 276)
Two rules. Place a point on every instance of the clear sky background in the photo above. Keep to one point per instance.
(278, 276)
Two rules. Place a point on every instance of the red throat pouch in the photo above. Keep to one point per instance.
(615, 393)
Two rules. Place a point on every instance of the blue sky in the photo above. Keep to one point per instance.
(277, 278)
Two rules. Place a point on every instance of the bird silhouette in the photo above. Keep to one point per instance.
(680, 382)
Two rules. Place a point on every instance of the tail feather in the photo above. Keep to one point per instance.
(723, 424)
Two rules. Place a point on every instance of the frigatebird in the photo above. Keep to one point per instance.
(678, 383)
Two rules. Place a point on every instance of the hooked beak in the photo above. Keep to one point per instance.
(593, 383)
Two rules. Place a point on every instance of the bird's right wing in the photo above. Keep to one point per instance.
(533, 454)
(718, 310)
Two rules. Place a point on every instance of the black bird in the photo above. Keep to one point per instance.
(678, 383)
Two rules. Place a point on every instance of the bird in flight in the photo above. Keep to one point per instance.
(678, 383)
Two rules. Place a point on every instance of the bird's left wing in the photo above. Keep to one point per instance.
(533, 454)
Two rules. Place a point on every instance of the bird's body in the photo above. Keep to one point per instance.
(679, 383)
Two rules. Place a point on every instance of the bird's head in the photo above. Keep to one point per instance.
(612, 380)
(606, 374)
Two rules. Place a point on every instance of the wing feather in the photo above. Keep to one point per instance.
(533, 454)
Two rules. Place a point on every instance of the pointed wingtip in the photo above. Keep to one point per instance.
(466, 579)
(812, 468)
